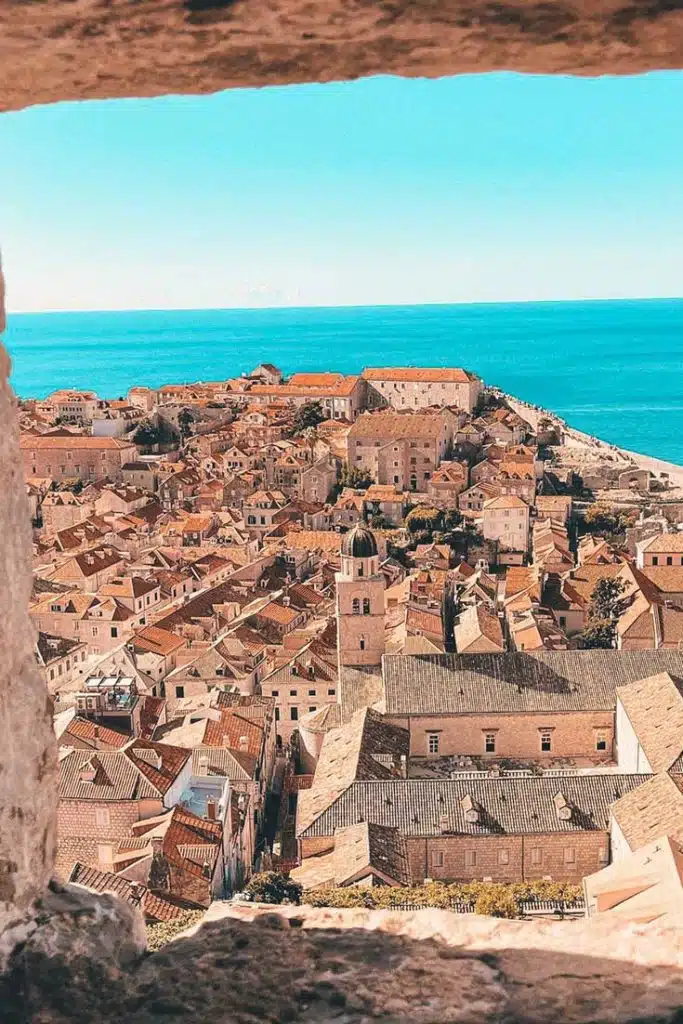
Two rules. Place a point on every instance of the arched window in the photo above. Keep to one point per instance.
(355, 606)
(366, 606)
(362, 643)
(360, 569)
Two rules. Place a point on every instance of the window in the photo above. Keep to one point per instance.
(669, 560)
(437, 858)
(603, 856)
(114, 631)
(179, 692)
(277, 714)
(546, 741)
(569, 855)
(312, 708)
(503, 857)
(361, 643)
(655, 560)
(274, 693)
(293, 693)
(311, 693)
(563, 621)
(102, 819)
(94, 631)
(490, 742)
(294, 714)
(366, 606)
(361, 570)
(600, 741)
(331, 693)
(536, 856)
(355, 606)
(433, 742)
(470, 858)
(251, 520)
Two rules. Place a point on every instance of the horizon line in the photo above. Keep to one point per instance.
(343, 305)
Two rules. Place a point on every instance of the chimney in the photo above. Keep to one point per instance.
(96, 735)
(244, 743)
(471, 809)
(211, 810)
(203, 763)
(404, 766)
(157, 844)
(443, 823)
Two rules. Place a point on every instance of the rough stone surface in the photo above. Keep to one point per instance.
(28, 791)
(77, 944)
(76, 49)
(249, 965)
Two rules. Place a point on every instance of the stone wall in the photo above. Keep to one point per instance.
(246, 964)
(28, 791)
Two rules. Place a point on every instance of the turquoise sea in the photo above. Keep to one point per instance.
(611, 368)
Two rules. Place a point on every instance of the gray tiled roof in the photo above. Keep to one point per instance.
(512, 806)
(517, 682)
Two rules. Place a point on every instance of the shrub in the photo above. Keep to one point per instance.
(500, 896)
(273, 887)
(498, 901)
(163, 931)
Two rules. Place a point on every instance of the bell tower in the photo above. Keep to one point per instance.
(360, 600)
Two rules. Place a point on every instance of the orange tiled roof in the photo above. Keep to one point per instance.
(418, 374)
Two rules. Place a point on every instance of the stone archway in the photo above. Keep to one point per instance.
(54, 50)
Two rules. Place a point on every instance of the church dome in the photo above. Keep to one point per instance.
(359, 542)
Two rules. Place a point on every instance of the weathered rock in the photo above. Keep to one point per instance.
(76, 947)
(77, 49)
(28, 793)
(246, 965)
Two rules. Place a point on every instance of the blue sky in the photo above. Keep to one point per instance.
(478, 188)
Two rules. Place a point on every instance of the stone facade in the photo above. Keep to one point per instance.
(579, 734)
(508, 858)
(69, 457)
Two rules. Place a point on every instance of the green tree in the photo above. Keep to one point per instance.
(603, 611)
(273, 887)
(606, 598)
(185, 421)
(600, 518)
(310, 414)
(356, 477)
(600, 635)
(146, 435)
(424, 518)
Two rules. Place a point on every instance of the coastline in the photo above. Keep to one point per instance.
(656, 466)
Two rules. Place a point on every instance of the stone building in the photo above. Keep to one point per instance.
(408, 387)
(65, 456)
(401, 449)
(535, 706)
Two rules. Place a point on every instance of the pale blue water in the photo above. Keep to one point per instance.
(611, 368)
